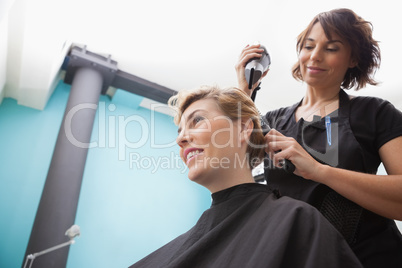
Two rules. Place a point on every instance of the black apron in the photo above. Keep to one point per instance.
(335, 144)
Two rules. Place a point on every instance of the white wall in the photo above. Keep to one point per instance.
(4, 9)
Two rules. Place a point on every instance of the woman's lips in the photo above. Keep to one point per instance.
(190, 153)
(315, 70)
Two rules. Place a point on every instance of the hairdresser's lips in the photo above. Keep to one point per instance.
(191, 153)
(315, 70)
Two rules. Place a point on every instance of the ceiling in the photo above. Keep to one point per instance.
(177, 44)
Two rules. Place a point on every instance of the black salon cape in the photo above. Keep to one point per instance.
(248, 227)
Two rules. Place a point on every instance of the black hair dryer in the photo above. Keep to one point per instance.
(256, 67)
(254, 70)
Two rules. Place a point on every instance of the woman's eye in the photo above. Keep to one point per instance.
(332, 49)
(308, 46)
(197, 119)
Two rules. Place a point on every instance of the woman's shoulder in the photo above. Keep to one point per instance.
(276, 116)
(374, 121)
(373, 107)
(371, 102)
(281, 111)
(296, 210)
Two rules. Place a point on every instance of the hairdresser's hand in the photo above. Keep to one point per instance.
(281, 147)
(249, 52)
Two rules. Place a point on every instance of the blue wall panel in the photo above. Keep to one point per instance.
(135, 194)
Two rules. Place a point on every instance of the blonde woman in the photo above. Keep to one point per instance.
(247, 225)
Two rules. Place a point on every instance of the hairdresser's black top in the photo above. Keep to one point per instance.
(358, 129)
(248, 226)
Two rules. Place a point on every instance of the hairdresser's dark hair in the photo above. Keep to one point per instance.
(358, 33)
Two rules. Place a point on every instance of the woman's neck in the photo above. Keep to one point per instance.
(318, 102)
(316, 97)
(230, 178)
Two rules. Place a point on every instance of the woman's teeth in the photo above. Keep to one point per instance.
(192, 153)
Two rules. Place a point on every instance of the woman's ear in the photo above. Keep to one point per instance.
(247, 127)
(353, 63)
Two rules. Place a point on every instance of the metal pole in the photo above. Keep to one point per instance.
(59, 200)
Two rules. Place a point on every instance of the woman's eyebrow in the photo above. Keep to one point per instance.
(328, 42)
(335, 41)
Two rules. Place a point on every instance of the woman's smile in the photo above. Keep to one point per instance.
(324, 62)
(191, 153)
(208, 141)
(315, 70)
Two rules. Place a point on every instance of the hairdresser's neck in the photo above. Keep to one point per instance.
(316, 95)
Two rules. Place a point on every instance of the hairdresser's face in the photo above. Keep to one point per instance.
(208, 141)
(323, 62)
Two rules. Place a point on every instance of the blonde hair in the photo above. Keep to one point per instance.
(227, 100)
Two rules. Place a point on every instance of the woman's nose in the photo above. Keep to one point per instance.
(316, 54)
(183, 138)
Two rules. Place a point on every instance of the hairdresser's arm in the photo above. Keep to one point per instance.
(249, 52)
(381, 194)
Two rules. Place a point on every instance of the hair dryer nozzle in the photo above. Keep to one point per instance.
(256, 67)
(252, 76)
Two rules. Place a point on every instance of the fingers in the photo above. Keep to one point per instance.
(264, 74)
(274, 132)
(248, 53)
(279, 147)
(274, 135)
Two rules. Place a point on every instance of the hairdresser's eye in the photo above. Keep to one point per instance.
(332, 49)
(308, 45)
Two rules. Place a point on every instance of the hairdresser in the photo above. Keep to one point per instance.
(337, 141)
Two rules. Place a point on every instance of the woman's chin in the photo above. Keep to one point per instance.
(199, 176)
(194, 175)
